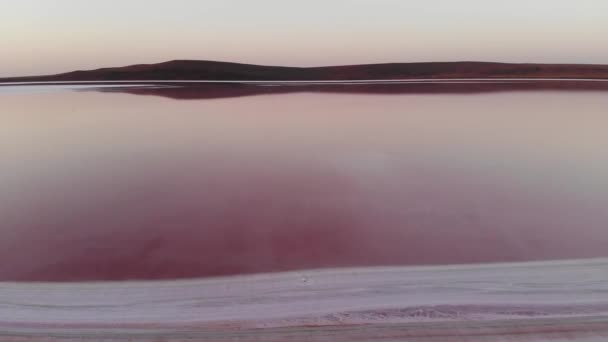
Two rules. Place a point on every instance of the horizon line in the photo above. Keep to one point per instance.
(303, 67)
(312, 82)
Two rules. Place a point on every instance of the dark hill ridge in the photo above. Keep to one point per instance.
(224, 71)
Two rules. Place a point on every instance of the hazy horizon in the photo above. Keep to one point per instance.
(67, 35)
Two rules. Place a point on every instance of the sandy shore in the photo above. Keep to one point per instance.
(535, 301)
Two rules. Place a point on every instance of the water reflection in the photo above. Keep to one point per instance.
(105, 185)
(227, 90)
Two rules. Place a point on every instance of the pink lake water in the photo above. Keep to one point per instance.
(112, 185)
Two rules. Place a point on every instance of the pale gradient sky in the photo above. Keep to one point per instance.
(49, 36)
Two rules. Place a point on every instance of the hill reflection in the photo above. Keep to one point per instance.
(227, 90)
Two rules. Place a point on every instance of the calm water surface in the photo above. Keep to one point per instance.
(109, 185)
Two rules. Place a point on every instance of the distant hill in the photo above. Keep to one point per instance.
(210, 70)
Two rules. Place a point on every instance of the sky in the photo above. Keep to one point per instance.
(52, 36)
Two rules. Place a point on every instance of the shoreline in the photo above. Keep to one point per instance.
(310, 82)
(432, 297)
